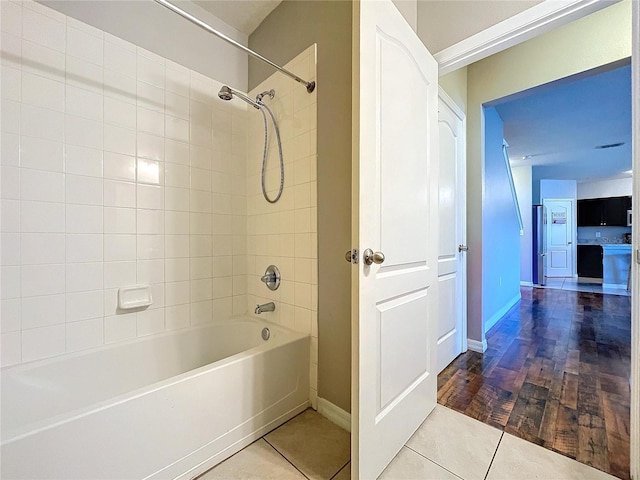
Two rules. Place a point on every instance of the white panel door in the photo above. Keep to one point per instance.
(396, 213)
(452, 258)
(559, 235)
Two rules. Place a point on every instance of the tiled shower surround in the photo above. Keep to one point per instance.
(285, 233)
(120, 167)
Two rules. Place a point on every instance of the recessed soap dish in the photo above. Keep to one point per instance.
(135, 296)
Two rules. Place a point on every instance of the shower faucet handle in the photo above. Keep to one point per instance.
(271, 277)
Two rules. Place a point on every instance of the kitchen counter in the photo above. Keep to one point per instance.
(616, 260)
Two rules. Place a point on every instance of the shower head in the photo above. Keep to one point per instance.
(227, 93)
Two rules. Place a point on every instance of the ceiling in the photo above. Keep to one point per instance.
(243, 15)
(560, 124)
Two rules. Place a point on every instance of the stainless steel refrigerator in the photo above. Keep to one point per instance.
(539, 246)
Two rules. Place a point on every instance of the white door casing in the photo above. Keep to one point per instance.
(559, 236)
(452, 281)
(396, 191)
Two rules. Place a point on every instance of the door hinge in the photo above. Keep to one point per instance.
(351, 256)
(637, 256)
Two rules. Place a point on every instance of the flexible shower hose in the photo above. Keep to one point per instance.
(264, 155)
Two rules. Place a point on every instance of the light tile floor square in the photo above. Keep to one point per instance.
(462, 445)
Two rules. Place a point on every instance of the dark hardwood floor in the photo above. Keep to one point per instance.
(556, 373)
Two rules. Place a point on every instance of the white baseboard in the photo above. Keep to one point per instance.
(334, 413)
(476, 346)
(501, 313)
(526, 284)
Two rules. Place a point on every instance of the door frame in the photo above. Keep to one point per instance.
(574, 234)
(517, 29)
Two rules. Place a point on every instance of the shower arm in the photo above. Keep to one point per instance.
(310, 85)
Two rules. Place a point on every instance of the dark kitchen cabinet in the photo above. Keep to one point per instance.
(609, 212)
(590, 261)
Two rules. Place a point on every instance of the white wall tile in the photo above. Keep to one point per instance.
(176, 293)
(150, 246)
(119, 220)
(41, 154)
(119, 274)
(119, 167)
(85, 46)
(119, 328)
(150, 321)
(10, 344)
(43, 92)
(150, 121)
(83, 132)
(11, 18)
(84, 219)
(176, 316)
(150, 71)
(84, 305)
(119, 247)
(84, 248)
(84, 190)
(10, 149)
(41, 185)
(84, 334)
(10, 251)
(150, 221)
(40, 122)
(119, 59)
(118, 112)
(83, 277)
(42, 217)
(42, 280)
(10, 313)
(83, 103)
(9, 215)
(42, 29)
(10, 182)
(150, 146)
(151, 272)
(42, 311)
(84, 74)
(119, 194)
(44, 342)
(150, 196)
(176, 152)
(150, 171)
(42, 248)
(119, 140)
(83, 161)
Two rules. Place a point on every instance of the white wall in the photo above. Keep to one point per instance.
(153, 27)
(112, 175)
(522, 181)
(615, 187)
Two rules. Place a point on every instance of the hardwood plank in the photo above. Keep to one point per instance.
(555, 373)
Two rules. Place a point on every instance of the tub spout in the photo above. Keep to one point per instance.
(265, 307)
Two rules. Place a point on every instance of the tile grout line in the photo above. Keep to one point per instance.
(435, 463)
(282, 455)
(494, 456)
(340, 469)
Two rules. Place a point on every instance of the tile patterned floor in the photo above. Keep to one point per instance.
(556, 373)
(583, 285)
(311, 447)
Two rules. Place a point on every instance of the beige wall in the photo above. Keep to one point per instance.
(409, 10)
(442, 23)
(593, 41)
(290, 28)
(455, 84)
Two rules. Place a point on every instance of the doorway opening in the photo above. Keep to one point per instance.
(557, 361)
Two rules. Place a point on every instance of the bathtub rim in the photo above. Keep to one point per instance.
(36, 427)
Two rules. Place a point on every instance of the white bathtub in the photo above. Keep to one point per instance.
(170, 406)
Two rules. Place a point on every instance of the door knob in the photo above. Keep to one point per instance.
(569, 243)
(463, 248)
(369, 257)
